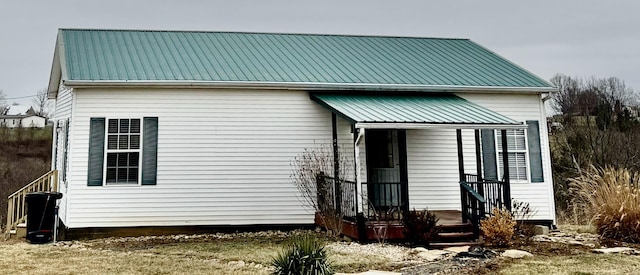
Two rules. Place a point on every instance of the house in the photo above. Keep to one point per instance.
(21, 116)
(187, 128)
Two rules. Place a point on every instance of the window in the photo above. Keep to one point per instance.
(517, 151)
(123, 151)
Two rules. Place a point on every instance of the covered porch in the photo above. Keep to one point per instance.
(377, 196)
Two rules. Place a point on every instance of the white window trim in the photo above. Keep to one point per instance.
(526, 157)
(107, 151)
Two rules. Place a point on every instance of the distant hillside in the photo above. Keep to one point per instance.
(25, 154)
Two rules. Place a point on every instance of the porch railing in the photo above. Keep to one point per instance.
(16, 212)
(384, 200)
(473, 205)
(378, 201)
(480, 197)
(329, 200)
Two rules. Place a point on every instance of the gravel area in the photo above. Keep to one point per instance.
(392, 252)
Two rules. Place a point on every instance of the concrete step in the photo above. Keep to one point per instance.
(21, 231)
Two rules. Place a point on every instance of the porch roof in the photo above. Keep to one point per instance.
(413, 111)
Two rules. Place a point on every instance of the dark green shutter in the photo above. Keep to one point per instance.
(96, 152)
(150, 151)
(489, 155)
(535, 153)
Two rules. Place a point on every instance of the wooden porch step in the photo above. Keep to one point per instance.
(440, 245)
(457, 227)
(456, 235)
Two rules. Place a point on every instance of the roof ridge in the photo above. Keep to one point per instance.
(271, 33)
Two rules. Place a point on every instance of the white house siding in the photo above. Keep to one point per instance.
(433, 165)
(223, 157)
(62, 112)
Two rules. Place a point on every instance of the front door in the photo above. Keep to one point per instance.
(384, 167)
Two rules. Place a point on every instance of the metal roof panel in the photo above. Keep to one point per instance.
(138, 56)
(434, 109)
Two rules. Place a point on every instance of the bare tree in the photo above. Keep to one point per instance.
(600, 128)
(3, 102)
(41, 103)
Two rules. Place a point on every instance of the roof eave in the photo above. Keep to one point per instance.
(427, 125)
(315, 86)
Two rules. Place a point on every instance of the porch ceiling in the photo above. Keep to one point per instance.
(414, 111)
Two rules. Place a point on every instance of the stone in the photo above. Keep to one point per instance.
(623, 250)
(574, 242)
(419, 249)
(516, 254)
(457, 249)
(541, 230)
(432, 255)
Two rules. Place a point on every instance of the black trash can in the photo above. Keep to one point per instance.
(41, 211)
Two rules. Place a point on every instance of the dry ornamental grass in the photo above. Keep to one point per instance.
(611, 198)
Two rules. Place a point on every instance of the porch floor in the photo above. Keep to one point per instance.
(450, 221)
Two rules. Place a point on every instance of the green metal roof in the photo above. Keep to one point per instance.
(309, 60)
(420, 109)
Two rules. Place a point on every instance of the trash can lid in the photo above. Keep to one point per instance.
(54, 195)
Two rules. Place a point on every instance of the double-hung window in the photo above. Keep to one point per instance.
(123, 151)
(525, 154)
(517, 153)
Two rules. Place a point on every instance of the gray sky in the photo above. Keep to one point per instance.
(577, 37)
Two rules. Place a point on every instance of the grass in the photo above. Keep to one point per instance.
(575, 264)
(239, 255)
(247, 254)
(612, 197)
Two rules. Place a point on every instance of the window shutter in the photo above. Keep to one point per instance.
(489, 155)
(150, 151)
(535, 153)
(96, 152)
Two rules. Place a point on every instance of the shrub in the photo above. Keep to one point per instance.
(307, 255)
(611, 197)
(498, 229)
(522, 212)
(420, 227)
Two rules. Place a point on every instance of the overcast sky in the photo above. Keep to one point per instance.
(578, 37)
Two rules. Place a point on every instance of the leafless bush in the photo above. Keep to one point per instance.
(313, 173)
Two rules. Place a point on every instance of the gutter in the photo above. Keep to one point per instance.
(312, 86)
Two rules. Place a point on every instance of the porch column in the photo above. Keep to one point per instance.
(337, 191)
(460, 153)
(358, 135)
(506, 192)
(479, 171)
(461, 173)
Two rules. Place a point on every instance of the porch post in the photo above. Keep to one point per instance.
(463, 203)
(460, 158)
(506, 191)
(358, 135)
(336, 164)
(479, 170)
